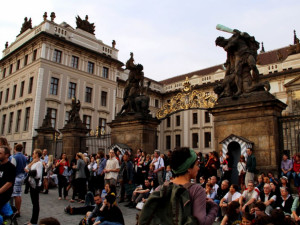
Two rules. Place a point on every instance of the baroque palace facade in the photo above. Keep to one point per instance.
(49, 64)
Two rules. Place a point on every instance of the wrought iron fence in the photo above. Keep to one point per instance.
(289, 134)
(92, 145)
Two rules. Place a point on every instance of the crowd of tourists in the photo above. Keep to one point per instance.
(151, 183)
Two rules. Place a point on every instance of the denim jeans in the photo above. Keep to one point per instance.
(288, 174)
(296, 179)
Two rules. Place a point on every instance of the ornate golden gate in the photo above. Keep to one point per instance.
(185, 100)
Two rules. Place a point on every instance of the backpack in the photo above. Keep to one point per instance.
(170, 205)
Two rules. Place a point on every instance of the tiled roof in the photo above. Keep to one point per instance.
(189, 75)
(272, 56)
(263, 59)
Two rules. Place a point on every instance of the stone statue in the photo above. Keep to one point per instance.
(133, 89)
(74, 112)
(52, 16)
(26, 25)
(142, 101)
(45, 16)
(242, 75)
(85, 24)
(47, 120)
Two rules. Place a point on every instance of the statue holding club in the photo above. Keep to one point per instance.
(242, 75)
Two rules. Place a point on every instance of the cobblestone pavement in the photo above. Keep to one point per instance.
(51, 206)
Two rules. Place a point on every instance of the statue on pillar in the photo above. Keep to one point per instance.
(47, 120)
(242, 75)
(134, 99)
(74, 116)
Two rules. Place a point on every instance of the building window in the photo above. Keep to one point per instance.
(207, 117)
(13, 97)
(53, 114)
(168, 121)
(1, 93)
(156, 103)
(22, 88)
(4, 73)
(54, 86)
(103, 98)
(18, 121)
(87, 121)
(57, 56)
(11, 117)
(6, 95)
(88, 94)
(177, 120)
(105, 72)
(74, 62)
(177, 140)
(72, 90)
(10, 68)
(25, 60)
(168, 142)
(18, 65)
(67, 117)
(34, 55)
(195, 118)
(27, 117)
(102, 126)
(91, 67)
(195, 140)
(207, 139)
(3, 124)
(30, 85)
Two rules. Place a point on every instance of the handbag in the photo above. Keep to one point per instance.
(56, 170)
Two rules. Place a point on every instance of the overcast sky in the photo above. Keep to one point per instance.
(169, 37)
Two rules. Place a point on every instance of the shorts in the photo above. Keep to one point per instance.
(18, 185)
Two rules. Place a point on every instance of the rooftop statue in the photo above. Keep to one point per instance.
(26, 25)
(135, 101)
(242, 75)
(85, 24)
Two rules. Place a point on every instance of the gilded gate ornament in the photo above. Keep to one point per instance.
(187, 99)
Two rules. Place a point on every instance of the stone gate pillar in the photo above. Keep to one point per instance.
(72, 142)
(136, 132)
(254, 117)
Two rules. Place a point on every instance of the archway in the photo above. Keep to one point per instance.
(234, 150)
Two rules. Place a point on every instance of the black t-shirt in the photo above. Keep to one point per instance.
(7, 174)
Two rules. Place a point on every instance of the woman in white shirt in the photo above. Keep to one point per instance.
(241, 166)
(35, 171)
